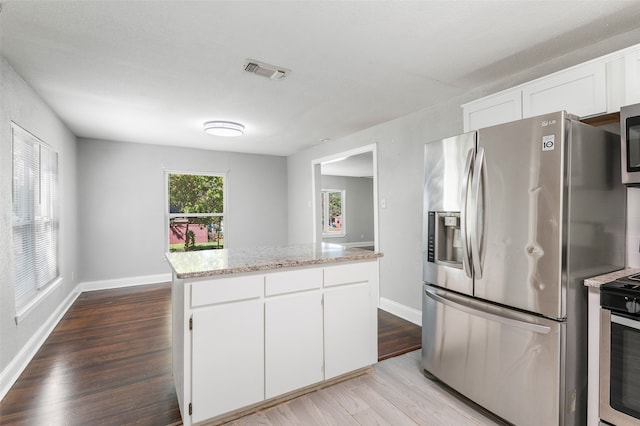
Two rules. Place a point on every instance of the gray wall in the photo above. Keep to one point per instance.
(122, 207)
(22, 105)
(359, 202)
(400, 174)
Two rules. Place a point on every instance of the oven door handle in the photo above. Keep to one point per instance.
(635, 324)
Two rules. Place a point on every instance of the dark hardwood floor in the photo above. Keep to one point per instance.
(108, 362)
(396, 336)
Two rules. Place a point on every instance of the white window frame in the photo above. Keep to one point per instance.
(325, 213)
(36, 264)
(170, 215)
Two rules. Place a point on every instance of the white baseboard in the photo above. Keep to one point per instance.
(402, 311)
(17, 365)
(359, 244)
(125, 282)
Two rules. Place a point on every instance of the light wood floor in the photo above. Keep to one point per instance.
(108, 362)
(394, 393)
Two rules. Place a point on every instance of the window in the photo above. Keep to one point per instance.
(35, 216)
(196, 211)
(333, 218)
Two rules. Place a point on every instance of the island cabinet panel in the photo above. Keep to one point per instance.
(348, 274)
(293, 281)
(227, 358)
(293, 342)
(350, 318)
(222, 290)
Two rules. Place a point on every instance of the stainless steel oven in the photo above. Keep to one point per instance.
(620, 351)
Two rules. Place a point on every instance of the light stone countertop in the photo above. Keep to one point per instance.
(195, 264)
(611, 276)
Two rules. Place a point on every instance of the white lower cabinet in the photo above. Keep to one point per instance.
(350, 318)
(227, 358)
(348, 330)
(250, 338)
(293, 342)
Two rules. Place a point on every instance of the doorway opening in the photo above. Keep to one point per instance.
(345, 198)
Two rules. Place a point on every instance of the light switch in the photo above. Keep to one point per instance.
(383, 203)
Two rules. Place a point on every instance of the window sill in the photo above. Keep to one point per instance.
(33, 303)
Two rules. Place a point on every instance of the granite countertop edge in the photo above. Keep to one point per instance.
(599, 280)
(277, 263)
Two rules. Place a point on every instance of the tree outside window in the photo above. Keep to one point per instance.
(333, 218)
(196, 212)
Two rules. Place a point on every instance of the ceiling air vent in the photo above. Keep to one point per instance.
(265, 70)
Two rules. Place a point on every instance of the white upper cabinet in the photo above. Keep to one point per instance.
(496, 109)
(596, 87)
(581, 91)
(632, 78)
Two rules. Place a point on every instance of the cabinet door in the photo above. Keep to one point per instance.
(632, 78)
(581, 91)
(293, 342)
(350, 328)
(227, 358)
(496, 109)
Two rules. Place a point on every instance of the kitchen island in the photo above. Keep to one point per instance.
(253, 327)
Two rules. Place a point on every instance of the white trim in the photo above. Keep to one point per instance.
(124, 282)
(402, 311)
(358, 244)
(12, 371)
(37, 299)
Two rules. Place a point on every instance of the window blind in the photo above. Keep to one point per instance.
(35, 226)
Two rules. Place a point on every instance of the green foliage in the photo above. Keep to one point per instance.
(196, 194)
(190, 194)
(335, 204)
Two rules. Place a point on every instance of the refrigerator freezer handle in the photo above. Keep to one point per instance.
(514, 322)
(478, 248)
(464, 230)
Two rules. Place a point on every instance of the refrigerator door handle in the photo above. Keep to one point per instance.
(506, 320)
(464, 197)
(478, 247)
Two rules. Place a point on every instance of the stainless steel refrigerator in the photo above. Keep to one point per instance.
(515, 217)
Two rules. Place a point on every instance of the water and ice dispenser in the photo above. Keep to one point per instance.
(444, 241)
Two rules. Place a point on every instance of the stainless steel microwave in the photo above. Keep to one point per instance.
(630, 138)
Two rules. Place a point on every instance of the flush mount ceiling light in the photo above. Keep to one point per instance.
(223, 128)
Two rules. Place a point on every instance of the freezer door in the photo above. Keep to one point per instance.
(447, 175)
(518, 188)
(506, 361)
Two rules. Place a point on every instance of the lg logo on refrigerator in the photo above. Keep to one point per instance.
(549, 143)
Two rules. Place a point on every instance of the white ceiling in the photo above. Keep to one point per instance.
(155, 71)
